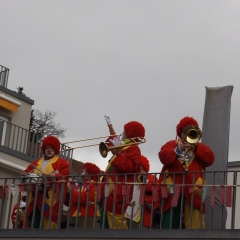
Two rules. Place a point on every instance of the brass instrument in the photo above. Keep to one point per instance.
(191, 134)
(20, 213)
(67, 148)
(104, 149)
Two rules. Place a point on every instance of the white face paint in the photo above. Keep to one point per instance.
(49, 152)
(83, 172)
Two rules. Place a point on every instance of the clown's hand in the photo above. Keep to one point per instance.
(108, 120)
(116, 141)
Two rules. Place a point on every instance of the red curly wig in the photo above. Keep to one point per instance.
(145, 163)
(186, 121)
(53, 142)
(91, 168)
(134, 129)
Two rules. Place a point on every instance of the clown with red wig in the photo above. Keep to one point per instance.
(54, 167)
(125, 160)
(188, 161)
(150, 215)
(84, 193)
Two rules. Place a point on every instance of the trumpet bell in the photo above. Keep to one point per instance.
(192, 134)
(104, 149)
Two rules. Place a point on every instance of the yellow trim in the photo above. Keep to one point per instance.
(48, 169)
(113, 157)
(8, 105)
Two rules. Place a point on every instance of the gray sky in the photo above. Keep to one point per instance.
(148, 61)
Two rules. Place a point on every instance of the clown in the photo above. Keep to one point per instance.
(188, 161)
(149, 210)
(86, 191)
(55, 168)
(125, 160)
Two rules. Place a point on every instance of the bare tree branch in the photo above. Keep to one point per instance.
(42, 124)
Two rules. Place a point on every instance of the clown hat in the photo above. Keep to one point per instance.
(184, 122)
(134, 129)
(91, 168)
(53, 142)
(145, 163)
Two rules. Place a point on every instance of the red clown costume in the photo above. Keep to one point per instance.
(58, 166)
(87, 192)
(149, 181)
(201, 157)
(126, 161)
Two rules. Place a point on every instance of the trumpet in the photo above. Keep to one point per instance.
(191, 134)
(104, 149)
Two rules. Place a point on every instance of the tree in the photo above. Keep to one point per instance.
(42, 124)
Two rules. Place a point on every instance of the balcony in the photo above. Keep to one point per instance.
(22, 143)
(220, 217)
(4, 73)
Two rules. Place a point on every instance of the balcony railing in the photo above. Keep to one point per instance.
(24, 143)
(4, 72)
(220, 199)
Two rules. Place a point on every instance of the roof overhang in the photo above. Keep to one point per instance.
(9, 103)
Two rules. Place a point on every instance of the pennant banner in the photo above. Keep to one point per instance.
(213, 196)
(164, 191)
(229, 196)
(142, 193)
(176, 196)
(154, 193)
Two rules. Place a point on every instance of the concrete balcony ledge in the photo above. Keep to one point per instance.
(119, 234)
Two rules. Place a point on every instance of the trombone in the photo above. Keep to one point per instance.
(104, 149)
(67, 148)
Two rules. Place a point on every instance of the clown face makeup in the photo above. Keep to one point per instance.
(49, 152)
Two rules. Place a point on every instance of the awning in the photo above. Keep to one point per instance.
(9, 103)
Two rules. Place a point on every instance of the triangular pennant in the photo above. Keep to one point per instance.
(128, 188)
(213, 196)
(222, 194)
(154, 192)
(229, 196)
(176, 196)
(164, 191)
(142, 193)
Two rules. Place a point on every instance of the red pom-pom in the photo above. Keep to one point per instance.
(91, 168)
(53, 142)
(145, 163)
(134, 129)
(186, 121)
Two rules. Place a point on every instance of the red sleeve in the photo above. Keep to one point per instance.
(167, 155)
(63, 169)
(205, 155)
(84, 195)
(127, 161)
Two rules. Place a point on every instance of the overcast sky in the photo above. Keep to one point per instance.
(147, 61)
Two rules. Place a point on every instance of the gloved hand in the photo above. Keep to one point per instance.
(108, 120)
(116, 141)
